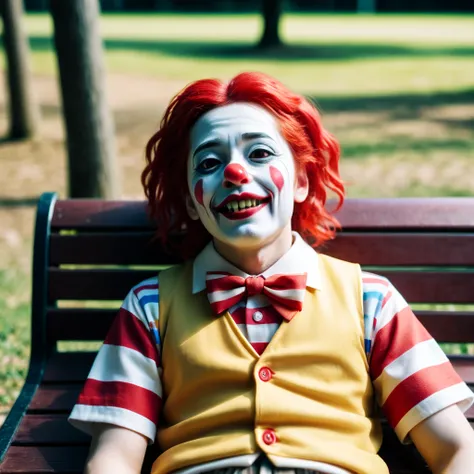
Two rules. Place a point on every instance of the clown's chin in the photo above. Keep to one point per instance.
(249, 235)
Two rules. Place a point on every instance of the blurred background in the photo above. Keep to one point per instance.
(393, 79)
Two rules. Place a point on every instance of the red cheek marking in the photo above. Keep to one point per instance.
(277, 177)
(198, 192)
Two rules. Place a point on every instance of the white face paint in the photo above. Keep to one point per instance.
(241, 175)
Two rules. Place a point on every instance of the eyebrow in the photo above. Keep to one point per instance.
(244, 136)
(206, 145)
(253, 136)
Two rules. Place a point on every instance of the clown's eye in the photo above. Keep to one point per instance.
(208, 164)
(260, 153)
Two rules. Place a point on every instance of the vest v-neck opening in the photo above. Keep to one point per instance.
(240, 335)
(247, 344)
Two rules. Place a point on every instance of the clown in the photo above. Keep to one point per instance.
(259, 354)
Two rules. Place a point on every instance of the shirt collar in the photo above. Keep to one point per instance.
(301, 258)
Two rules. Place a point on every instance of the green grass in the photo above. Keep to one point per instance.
(14, 333)
(326, 55)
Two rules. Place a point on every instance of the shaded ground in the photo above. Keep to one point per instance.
(226, 50)
(392, 146)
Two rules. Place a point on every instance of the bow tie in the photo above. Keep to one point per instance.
(285, 292)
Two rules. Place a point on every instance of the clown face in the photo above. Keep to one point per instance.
(241, 176)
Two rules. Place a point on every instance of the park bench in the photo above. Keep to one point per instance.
(94, 251)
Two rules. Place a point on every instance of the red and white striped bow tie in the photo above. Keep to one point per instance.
(285, 292)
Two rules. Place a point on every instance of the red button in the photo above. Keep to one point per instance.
(265, 374)
(269, 437)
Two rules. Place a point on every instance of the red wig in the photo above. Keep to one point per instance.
(314, 149)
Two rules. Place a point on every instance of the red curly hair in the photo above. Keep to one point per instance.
(314, 149)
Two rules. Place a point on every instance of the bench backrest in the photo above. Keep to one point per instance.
(89, 253)
(98, 250)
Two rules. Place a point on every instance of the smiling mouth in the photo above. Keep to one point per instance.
(241, 204)
(242, 207)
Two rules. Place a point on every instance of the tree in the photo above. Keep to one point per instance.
(271, 13)
(366, 6)
(24, 112)
(35, 5)
(89, 127)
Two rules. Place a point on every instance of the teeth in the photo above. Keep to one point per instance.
(242, 204)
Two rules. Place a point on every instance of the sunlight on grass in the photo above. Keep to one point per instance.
(321, 78)
(79, 346)
(14, 333)
(394, 29)
(380, 54)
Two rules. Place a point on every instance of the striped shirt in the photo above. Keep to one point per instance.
(412, 377)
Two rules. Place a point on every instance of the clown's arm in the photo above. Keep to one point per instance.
(418, 389)
(446, 441)
(120, 403)
(115, 450)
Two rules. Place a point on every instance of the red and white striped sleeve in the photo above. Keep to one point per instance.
(124, 385)
(412, 376)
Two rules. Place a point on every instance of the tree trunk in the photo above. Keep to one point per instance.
(271, 12)
(163, 5)
(226, 5)
(24, 113)
(89, 127)
(366, 6)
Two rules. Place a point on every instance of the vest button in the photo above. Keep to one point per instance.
(265, 374)
(269, 437)
(257, 316)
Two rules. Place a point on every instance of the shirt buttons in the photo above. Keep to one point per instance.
(269, 437)
(257, 316)
(265, 374)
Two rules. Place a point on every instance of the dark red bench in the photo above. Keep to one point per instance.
(91, 250)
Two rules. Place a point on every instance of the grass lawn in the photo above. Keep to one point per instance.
(342, 55)
(397, 90)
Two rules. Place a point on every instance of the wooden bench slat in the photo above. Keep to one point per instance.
(73, 367)
(95, 213)
(91, 324)
(408, 213)
(57, 398)
(44, 459)
(464, 366)
(102, 248)
(79, 324)
(94, 284)
(426, 287)
(411, 249)
(448, 326)
(57, 460)
(139, 248)
(68, 367)
(55, 430)
(433, 287)
(60, 398)
(47, 430)
(70, 459)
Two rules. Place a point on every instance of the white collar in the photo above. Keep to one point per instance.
(301, 258)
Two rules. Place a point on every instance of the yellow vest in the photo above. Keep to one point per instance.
(312, 400)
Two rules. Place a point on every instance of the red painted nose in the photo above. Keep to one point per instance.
(235, 174)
